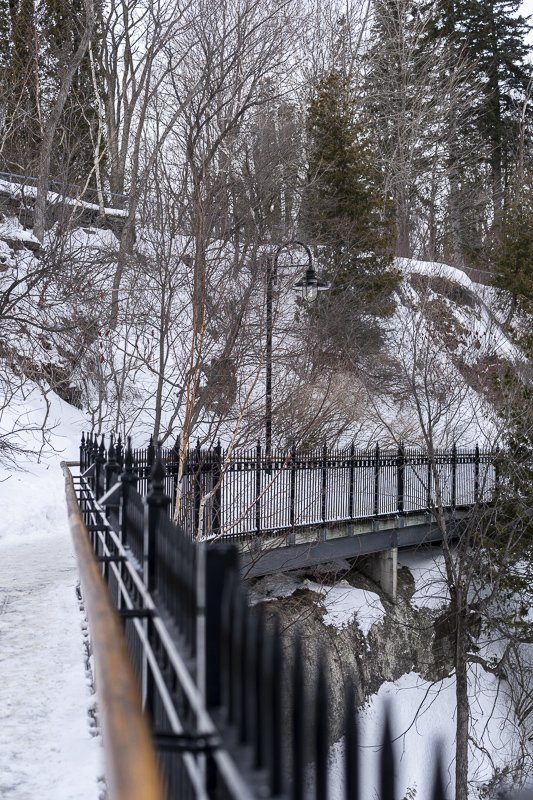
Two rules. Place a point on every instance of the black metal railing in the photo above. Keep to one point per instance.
(233, 713)
(239, 494)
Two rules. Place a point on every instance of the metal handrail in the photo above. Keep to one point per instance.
(131, 765)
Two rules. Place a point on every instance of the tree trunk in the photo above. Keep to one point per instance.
(50, 125)
(461, 694)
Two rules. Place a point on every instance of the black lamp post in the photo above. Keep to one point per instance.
(308, 286)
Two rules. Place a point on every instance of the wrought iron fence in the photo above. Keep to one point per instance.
(233, 714)
(239, 494)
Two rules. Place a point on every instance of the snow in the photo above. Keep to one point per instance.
(344, 604)
(47, 747)
(274, 587)
(427, 569)
(18, 190)
(12, 229)
(423, 717)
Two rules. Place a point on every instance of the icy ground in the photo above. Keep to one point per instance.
(48, 748)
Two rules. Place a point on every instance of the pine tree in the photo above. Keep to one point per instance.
(21, 89)
(345, 211)
(512, 255)
(491, 35)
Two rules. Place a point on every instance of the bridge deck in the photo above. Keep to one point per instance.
(315, 546)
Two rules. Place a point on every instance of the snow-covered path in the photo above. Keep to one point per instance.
(47, 748)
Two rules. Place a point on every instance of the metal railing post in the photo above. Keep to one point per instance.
(82, 453)
(324, 480)
(454, 476)
(221, 561)
(216, 508)
(175, 462)
(376, 481)
(352, 480)
(156, 504)
(197, 486)
(155, 507)
(99, 472)
(400, 478)
(293, 486)
(111, 466)
(128, 480)
(476, 475)
(429, 503)
(119, 454)
(258, 489)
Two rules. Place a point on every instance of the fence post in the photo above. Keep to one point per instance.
(150, 457)
(82, 453)
(156, 505)
(119, 454)
(175, 469)
(454, 476)
(221, 562)
(99, 469)
(376, 480)
(400, 478)
(352, 480)
(111, 467)
(94, 459)
(216, 522)
(258, 489)
(197, 486)
(476, 475)
(324, 480)
(128, 479)
(428, 497)
(293, 486)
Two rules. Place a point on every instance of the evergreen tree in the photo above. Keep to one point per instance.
(513, 254)
(345, 212)
(19, 60)
(492, 36)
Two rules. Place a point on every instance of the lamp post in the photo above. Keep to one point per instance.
(308, 286)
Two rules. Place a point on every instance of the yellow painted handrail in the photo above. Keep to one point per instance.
(131, 764)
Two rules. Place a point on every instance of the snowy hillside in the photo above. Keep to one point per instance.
(443, 339)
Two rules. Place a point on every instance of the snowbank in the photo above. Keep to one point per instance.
(427, 569)
(344, 604)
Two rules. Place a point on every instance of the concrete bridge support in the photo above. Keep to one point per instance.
(382, 568)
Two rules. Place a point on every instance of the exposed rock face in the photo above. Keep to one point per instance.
(406, 639)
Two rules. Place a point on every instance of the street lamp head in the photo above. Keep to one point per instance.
(309, 286)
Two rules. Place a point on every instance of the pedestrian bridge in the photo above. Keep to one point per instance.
(290, 510)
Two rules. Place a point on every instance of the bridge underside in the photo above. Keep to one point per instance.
(318, 546)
